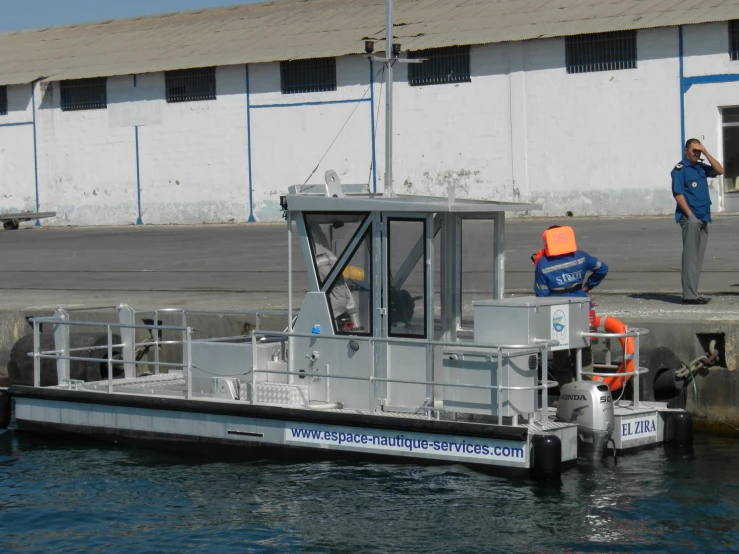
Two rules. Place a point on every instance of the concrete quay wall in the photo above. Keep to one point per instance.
(714, 400)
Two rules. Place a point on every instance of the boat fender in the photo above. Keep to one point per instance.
(546, 462)
(679, 429)
(4, 409)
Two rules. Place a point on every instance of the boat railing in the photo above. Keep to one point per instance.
(184, 312)
(637, 370)
(489, 351)
(156, 342)
(66, 354)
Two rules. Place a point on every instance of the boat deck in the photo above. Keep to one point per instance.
(174, 384)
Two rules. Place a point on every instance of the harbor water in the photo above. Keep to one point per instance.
(74, 496)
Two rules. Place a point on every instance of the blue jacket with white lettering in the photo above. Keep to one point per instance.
(565, 275)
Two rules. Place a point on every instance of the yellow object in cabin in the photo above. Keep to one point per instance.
(353, 272)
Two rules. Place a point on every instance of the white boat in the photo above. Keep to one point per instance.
(364, 369)
(374, 365)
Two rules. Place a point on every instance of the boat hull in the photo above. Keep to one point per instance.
(256, 431)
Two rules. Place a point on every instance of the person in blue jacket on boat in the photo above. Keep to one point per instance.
(563, 270)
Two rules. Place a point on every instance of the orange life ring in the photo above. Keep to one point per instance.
(613, 325)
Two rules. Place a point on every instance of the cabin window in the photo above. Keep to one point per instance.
(84, 94)
(316, 75)
(350, 296)
(600, 52)
(3, 100)
(442, 65)
(734, 40)
(331, 235)
(406, 243)
(190, 85)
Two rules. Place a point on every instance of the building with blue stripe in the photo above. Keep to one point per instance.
(208, 116)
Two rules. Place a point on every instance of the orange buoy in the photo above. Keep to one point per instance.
(613, 325)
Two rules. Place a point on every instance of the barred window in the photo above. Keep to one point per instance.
(316, 75)
(600, 52)
(84, 94)
(3, 100)
(187, 85)
(442, 65)
(734, 40)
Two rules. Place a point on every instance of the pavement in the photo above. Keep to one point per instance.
(245, 266)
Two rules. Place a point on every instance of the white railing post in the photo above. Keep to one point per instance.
(126, 316)
(156, 343)
(372, 394)
(110, 360)
(61, 344)
(544, 413)
(36, 355)
(289, 359)
(183, 323)
(578, 364)
(254, 367)
(636, 368)
(500, 380)
(188, 357)
(429, 371)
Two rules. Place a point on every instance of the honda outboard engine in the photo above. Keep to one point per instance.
(590, 405)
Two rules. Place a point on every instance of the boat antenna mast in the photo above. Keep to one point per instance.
(392, 55)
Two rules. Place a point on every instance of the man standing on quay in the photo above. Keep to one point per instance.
(693, 213)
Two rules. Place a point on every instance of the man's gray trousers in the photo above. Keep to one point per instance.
(695, 238)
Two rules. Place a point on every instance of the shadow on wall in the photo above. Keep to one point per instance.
(47, 95)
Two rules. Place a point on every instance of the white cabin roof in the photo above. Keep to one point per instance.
(319, 202)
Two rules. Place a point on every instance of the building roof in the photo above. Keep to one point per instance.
(301, 29)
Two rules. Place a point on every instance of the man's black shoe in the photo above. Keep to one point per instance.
(699, 300)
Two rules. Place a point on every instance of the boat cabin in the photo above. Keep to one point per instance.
(383, 327)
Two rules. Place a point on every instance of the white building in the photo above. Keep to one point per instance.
(582, 106)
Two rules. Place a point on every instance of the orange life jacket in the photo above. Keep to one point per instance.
(560, 240)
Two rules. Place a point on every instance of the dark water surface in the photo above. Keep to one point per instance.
(78, 496)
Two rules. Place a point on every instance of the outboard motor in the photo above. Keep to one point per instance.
(590, 405)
